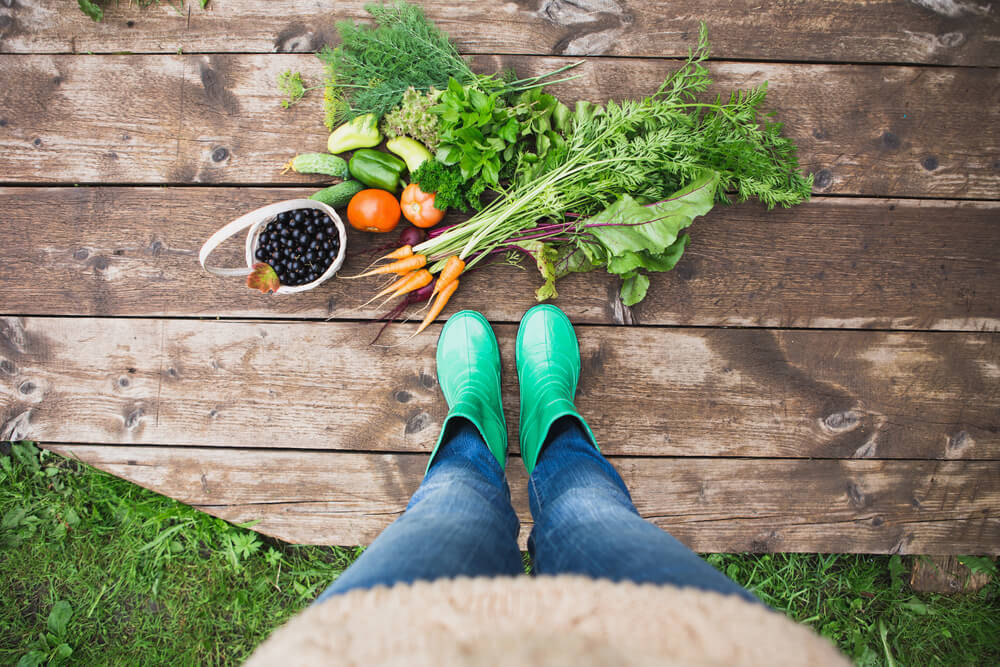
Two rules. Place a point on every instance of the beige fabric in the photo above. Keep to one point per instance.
(540, 621)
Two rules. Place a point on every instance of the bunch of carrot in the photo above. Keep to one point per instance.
(413, 276)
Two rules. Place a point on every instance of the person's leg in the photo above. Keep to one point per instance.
(459, 522)
(585, 522)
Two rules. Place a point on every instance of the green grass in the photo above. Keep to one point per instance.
(115, 574)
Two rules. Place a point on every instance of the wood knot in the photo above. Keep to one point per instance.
(134, 418)
(123, 382)
(27, 387)
(427, 381)
(81, 254)
(220, 154)
(958, 442)
(7, 367)
(856, 497)
(296, 38)
(952, 39)
(842, 421)
(823, 178)
(930, 163)
(417, 423)
(402, 396)
(17, 428)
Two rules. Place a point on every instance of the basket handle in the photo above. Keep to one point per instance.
(234, 227)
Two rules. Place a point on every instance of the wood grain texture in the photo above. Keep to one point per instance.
(862, 130)
(946, 575)
(925, 507)
(645, 391)
(833, 262)
(919, 31)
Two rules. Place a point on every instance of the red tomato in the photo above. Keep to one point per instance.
(418, 207)
(373, 211)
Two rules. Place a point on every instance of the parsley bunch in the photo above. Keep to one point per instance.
(481, 133)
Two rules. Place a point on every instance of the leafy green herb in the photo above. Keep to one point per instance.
(375, 65)
(290, 85)
(480, 133)
(448, 185)
(412, 118)
(634, 152)
(91, 9)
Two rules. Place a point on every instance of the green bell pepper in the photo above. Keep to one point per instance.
(361, 132)
(376, 169)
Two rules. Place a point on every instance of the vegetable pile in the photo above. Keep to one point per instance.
(608, 186)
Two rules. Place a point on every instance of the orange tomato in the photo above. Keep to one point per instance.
(418, 207)
(373, 211)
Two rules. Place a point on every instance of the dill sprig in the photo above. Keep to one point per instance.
(374, 65)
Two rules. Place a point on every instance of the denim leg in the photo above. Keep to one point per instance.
(585, 523)
(459, 522)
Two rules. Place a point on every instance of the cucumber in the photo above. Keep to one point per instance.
(338, 195)
(319, 163)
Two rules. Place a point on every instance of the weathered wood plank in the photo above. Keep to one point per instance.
(955, 33)
(728, 505)
(834, 262)
(874, 130)
(645, 391)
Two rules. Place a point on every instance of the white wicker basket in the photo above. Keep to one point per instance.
(256, 221)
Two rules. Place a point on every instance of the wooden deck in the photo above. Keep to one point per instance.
(825, 378)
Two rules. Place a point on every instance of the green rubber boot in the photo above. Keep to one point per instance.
(468, 370)
(548, 368)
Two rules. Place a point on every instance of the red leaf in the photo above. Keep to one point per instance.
(263, 278)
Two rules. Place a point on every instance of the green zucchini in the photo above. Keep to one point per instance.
(319, 163)
(338, 195)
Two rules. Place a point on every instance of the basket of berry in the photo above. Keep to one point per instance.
(292, 246)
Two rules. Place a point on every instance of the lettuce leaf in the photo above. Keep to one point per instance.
(627, 238)
(545, 257)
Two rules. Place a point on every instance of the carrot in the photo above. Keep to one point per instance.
(413, 281)
(398, 253)
(399, 267)
(452, 270)
(390, 289)
(439, 304)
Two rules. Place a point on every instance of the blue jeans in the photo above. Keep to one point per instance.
(460, 522)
